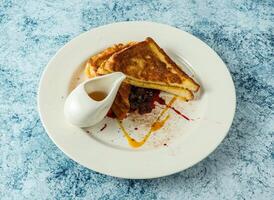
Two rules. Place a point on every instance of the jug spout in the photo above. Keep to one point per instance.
(83, 109)
(108, 83)
(116, 77)
(114, 81)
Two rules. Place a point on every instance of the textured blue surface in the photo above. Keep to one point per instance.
(241, 32)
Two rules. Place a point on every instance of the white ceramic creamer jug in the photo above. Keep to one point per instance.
(90, 102)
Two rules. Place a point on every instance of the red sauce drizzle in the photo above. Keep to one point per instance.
(158, 99)
(179, 113)
(161, 101)
(105, 125)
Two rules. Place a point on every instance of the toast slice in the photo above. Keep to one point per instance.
(147, 65)
(121, 105)
(96, 60)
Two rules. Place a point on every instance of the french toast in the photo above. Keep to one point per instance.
(148, 69)
(147, 65)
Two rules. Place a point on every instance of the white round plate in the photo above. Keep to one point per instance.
(177, 146)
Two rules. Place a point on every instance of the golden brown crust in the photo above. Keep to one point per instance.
(97, 60)
(147, 62)
(174, 65)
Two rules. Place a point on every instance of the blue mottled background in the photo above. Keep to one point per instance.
(240, 31)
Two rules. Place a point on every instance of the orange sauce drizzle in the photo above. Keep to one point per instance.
(154, 127)
(159, 124)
